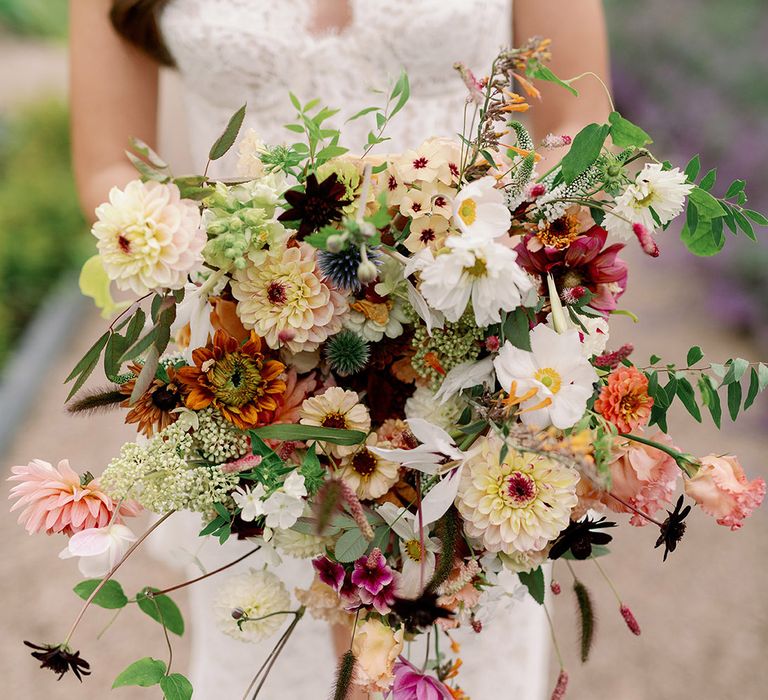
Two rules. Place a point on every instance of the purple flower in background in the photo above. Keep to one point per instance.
(371, 572)
(331, 573)
(412, 684)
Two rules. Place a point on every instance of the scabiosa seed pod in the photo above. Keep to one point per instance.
(562, 685)
(341, 268)
(347, 353)
(630, 619)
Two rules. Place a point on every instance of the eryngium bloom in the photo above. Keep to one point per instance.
(238, 380)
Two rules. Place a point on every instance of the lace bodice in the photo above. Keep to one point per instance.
(230, 51)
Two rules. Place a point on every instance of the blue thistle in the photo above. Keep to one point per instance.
(347, 353)
(341, 268)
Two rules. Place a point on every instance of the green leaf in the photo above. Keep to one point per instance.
(86, 365)
(95, 283)
(147, 153)
(541, 72)
(688, 398)
(762, 373)
(363, 112)
(584, 150)
(161, 609)
(693, 168)
(111, 596)
(147, 171)
(350, 546)
(146, 376)
(744, 224)
(176, 687)
(141, 345)
(734, 399)
(710, 398)
(708, 206)
(534, 582)
(734, 188)
(624, 133)
(516, 329)
(286, 431)
(756, 216)
(227, 139)
(694, 355)
(754, 387)
(401, 90)
(708, 181)
(706, 239)
(736, 370)
(145, 672)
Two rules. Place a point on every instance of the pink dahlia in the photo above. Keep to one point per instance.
(412, 684)
(55, 499)
(584, 263)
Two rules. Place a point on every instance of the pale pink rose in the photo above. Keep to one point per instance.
(723, 491)
(54, 500)
(643, 476)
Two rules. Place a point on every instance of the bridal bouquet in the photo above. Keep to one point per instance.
(397, 367)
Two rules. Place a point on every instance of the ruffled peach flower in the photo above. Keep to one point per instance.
(56, 501)
(296, 390)
(323, 603)
(642, 476)
(376, 647)
(624, 400)
(723, 491)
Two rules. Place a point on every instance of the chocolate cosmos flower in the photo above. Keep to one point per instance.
(318, 205)
(60, 659)
(579, 538)
(673, 528)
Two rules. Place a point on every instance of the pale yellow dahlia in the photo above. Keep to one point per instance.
(283, 297)
(369, 474)
(516, 505)
(149, 237)
(336, 408)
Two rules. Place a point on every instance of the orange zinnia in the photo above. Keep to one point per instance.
(624, 400)
(237, 380)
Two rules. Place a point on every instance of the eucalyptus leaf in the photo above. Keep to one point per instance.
(694, 355)
(734, 399)
(227, 139)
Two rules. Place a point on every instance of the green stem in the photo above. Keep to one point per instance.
(684, 461)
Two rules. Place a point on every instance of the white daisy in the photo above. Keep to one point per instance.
(479, 209)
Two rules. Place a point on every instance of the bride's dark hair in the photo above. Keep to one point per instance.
(136, 20)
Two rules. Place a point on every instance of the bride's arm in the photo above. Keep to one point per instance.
(579, 44)
(113, 96)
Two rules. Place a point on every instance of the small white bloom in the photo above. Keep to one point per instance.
(595, 340)
(195, 311)
(249, 152)
(294, 485)
(479, 269)
(479, 209)
(553, 381)
(99, 548)
(282, 510)
(251, 501)
(422, 404)
(664, 191)
(465, 376)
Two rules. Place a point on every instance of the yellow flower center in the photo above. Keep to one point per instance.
(468, 211)
(478, 269)
(549, 378)
(413, 549)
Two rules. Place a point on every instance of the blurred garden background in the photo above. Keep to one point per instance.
(693, 74)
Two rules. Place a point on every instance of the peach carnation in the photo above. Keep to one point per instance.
(149, 237)
(723, 491)
(624, 400)
(283, 297)
(376, 647)
(56, 500)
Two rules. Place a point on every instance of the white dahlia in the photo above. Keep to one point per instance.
(256, 595)
(283, 297)
(516, 505)
(149, 237)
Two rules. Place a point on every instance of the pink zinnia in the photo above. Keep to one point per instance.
(55, 500)
(412, 684)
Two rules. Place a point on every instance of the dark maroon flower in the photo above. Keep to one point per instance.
(421, 613)
(584, 263)
(318, 205)
(60, 659)
(371, 572)
(331, 573)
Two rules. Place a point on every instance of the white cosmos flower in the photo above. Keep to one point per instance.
(479, 269)
(251, 501)
(553, 382)
(418, 562)
(465, 376)
(595, 340)
(479, 209)
(195, 311)
(99, 548)
(664, 191)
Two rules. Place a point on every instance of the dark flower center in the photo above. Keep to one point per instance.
(277, 293)
(165, 398)
(521, 488)
(124, 243)
(364, 462)
(236, 380)
(454, 169)
(427, 235)
(420, 163)
(392, 183)
(440, 201)
(335, 420)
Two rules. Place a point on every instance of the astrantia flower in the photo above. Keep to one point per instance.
(258, 594)
(336, 408)
(149, 237)
(283, 297)
(98, 549)
(319, 204)
(376, 646)
(663, 191)
(723, 491)
(156, 408)
(369, 473)
(479, 209)
(479, 269)
(60, 659)
(56, 499)
(624, 400)
(552, 383)
(237, 380)
(518, 504)
(412, 684)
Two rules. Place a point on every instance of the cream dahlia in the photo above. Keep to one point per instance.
(258, 594)
(518, 504)
(283, 297)
(336, 408)
(149, 237)
(370, 474)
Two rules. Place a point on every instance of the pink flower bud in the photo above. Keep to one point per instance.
(647, 243)
(562, 685)
(536, 190)
(492, 343)
(555, 588)
(629, 618)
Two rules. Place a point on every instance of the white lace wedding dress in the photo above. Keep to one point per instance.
(232, 51)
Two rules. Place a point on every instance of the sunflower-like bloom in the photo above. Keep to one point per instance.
(283, 297)
(237, 380)
(517, 504)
